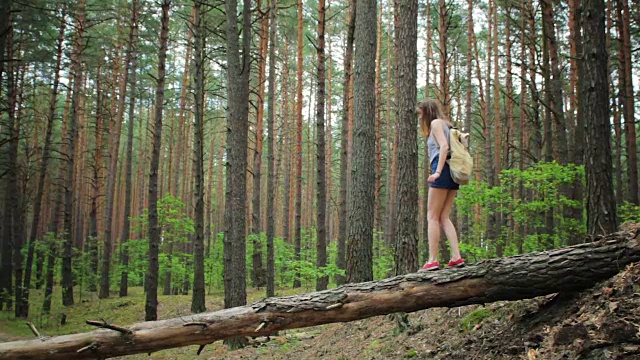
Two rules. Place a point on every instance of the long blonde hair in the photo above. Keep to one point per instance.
(430, 111)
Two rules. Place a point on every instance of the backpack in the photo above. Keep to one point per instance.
(461, 162)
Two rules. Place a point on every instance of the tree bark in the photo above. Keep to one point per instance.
(151, 283)
(257, 271)
(518, 277)
(271, 138)
(197, 300)
(298, 217)
(10, 214)
(362, 201)
(238, 69)
(126, 228)
(341, 259)
(321, 163)
(96, 184)
(406, 33)
(594, 102)
(627, 99)
(72, 135)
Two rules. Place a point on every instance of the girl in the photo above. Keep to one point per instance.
(442, 189)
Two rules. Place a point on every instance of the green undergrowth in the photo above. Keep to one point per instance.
(475, 318)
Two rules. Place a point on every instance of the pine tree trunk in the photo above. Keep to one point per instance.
(54, 226)
(298, 216)
(76, 68)
(10, 214)
(578, 139)
(151, 283)
(548, 230)
(126, 229)
(114, 151)
(44, 163)
(286, 212)
(175, 181)
(197, 301)
(378, 206)
(406, 33)
(627, 99)
(257, 273)
(341, 260)
(271, 138)
(425, 156)
(238, 69)
(594, 104)
(443, 57)
(96, 184)
(321, 164)
(362, 200)
(523, 116)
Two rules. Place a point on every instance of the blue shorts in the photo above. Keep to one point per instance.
(445, 181)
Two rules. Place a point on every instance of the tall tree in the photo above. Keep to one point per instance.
(361, 209)
(238, 60)
(341, 260)
(298, 228)
(271, 138)
(76, 68)
(10, 215)
(96, 183)
(443, 56)
(406, 32)
(556, 97)
(426, 162)
(197, 301)
(321, 191)
(594, 104)
(257, 272)
(44, 163)
(114, 151)
(151, 283)
(126, 228)
(627, 99)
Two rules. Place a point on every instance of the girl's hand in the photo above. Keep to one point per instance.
(433, 178)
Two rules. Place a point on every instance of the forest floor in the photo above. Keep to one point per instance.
(600, 323)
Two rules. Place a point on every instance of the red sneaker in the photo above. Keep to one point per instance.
(459, 262)
(430, 266)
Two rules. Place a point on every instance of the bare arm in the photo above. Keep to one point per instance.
(437, 127)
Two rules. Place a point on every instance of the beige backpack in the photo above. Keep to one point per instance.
(461, 162)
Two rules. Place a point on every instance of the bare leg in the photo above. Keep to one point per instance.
(448, 227)
(435, 203)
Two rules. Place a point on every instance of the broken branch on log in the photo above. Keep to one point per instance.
(512, 278)
(34, 330)
(105, 325)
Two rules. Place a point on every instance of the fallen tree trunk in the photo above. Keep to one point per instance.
(511, 278)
